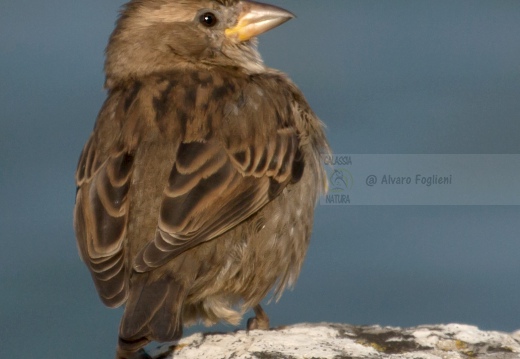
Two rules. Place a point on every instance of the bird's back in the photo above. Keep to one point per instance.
(243, 152)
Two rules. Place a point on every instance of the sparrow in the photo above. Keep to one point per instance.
(196, 189)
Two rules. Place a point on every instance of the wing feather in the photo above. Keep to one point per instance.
(103, 178)
(220, 180)
(101, 216)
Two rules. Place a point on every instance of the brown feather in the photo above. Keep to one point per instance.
(197, 186)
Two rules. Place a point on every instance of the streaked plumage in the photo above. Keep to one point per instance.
(197, 187)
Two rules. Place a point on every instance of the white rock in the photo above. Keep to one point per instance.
(336, 341)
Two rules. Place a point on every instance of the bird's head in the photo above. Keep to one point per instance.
(160, 35)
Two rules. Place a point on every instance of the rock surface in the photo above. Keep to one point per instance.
(341, 341)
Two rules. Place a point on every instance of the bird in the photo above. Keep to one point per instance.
(197, 187)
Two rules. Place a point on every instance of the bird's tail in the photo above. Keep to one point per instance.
(153, 312)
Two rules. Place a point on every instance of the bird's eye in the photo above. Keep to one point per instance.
(208, 19)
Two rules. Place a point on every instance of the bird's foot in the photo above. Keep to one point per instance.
(259, 321)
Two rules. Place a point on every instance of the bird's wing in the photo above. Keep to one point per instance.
(101, 210)
(217, 181)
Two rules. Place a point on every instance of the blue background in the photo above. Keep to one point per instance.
(399, 77)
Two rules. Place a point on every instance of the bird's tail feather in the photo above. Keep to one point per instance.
(153, 312)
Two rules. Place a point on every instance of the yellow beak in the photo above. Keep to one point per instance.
(256, 18)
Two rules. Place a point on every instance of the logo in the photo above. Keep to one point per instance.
(340, 180)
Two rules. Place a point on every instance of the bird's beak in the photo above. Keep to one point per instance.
(256, 18)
